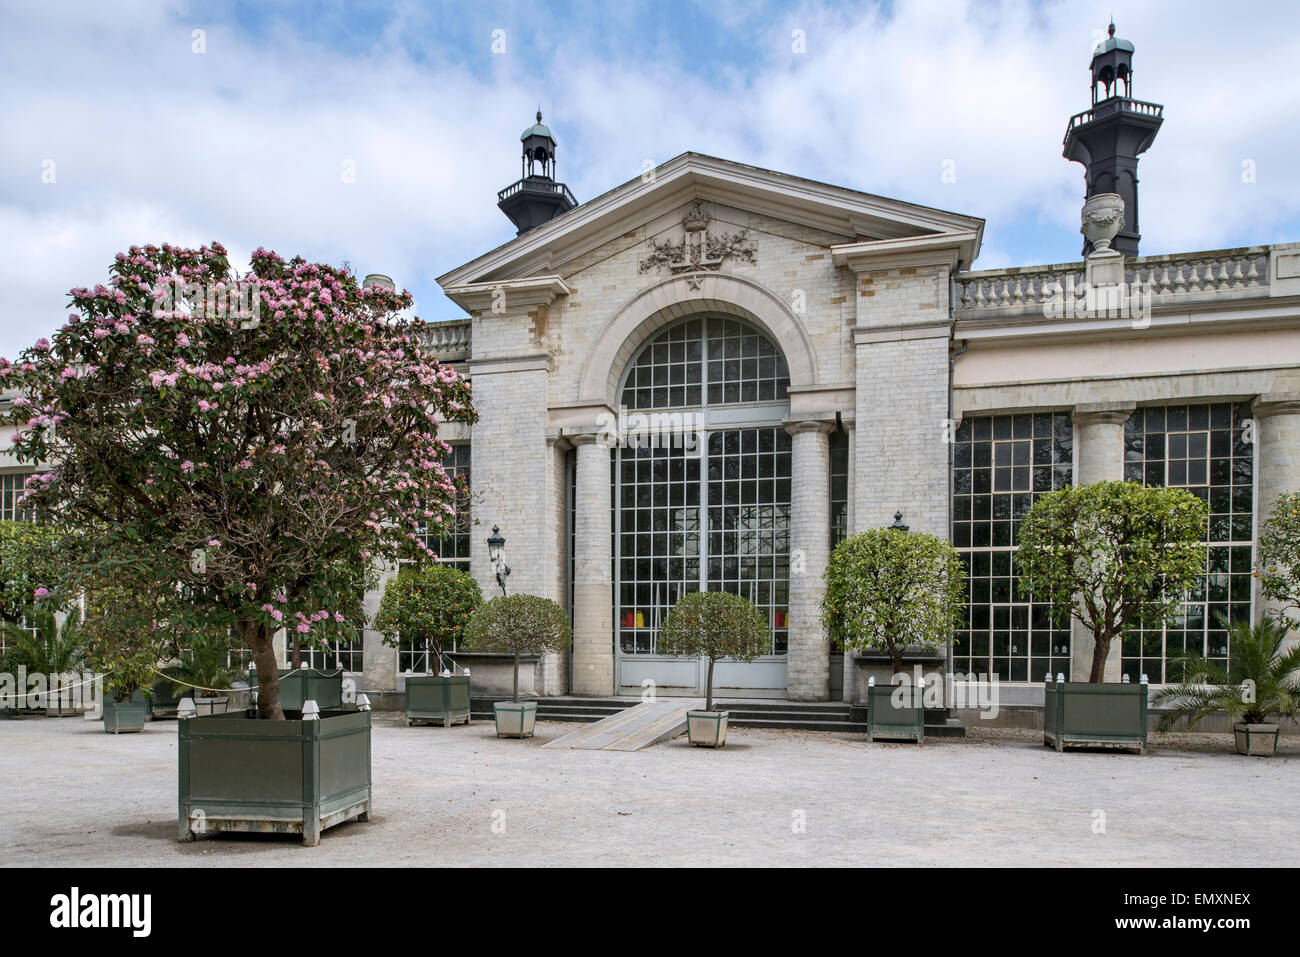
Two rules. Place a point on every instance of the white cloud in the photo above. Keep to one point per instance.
(245, 143)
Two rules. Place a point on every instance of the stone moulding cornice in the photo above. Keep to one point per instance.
(1102, 413)
(823, 422)
(479, 297)
(538, 361)
(1276, 403)
(1162, 321)
(948, 250)
(863, 335)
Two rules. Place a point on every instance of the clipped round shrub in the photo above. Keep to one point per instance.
(429, 607)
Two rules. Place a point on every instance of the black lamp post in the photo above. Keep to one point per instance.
(898, 525)
(496, 544)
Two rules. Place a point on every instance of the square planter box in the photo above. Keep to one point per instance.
(435, 698)
(238, 773)
(297, 687)
(891, 722)
(163, 702)
(707, 729)
(1083, 713)
(1260, 739)
(218, 704)
(515, 719)
(123, 716)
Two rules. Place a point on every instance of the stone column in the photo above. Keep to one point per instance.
(850, 690)
(1277, 459)
(1099, 457)
(808, 664)
(593, 588)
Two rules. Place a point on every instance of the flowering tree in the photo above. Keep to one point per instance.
(258, 441)
(1279, 558)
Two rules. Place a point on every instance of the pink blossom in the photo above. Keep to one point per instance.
(303, 628)
(41, 592)
(187, 466)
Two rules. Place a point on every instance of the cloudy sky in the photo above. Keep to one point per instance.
(150, 131)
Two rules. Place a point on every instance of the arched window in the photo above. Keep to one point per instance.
(702, 498)
(711, 360)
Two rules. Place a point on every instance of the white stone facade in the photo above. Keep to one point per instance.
(887, 335)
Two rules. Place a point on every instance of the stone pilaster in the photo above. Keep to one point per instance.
(593, 588)
(808, 666)
(1277, 460)
(1099, 457)
(850, 690)
(378, 660)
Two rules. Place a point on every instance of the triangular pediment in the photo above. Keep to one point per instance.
(846, 215)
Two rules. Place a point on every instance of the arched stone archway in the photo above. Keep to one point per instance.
(679, 296)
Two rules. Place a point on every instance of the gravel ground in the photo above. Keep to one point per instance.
(73, 795)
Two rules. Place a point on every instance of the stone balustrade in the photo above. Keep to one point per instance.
(449, 340)
(1172, 280)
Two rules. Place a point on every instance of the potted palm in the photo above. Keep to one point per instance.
(893, 590)
(518, 625)
(204, 665)
(1262, 679)
(429, 608)
(1114, 555)
(49, 649)
(713, 625)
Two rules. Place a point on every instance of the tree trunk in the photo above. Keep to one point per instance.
(1100, 652)
(257, 637)
(708, 689)
(896, 657)
(516, 697)
(297, 653)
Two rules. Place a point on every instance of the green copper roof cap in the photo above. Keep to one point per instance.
(1111, 42)
(538, 130)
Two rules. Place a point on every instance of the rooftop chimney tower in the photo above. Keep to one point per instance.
(1108, 138)
(536, 198)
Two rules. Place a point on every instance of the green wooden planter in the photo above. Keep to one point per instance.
(515, 719)
(891, 722)
(307, 684)
(163, 702)
(1082, 713)
(121, 717)
(238, 773)
(435, 698)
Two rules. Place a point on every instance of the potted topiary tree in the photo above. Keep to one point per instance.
(890, 589)
(517, 625)
(713, 625)
(260, 441)
(429, 607)
(1262, 679)
(1116, 555)
(124, 645)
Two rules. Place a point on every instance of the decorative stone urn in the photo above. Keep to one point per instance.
(1103, 215)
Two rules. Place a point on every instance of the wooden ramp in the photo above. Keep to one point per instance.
(633, 729)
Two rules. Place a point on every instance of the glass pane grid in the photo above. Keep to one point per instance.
(1202, 448)
(1000, 464)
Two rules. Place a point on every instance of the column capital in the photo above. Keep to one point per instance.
(586, 438)
(1103, 413)
(796, 425)
(1275, 403)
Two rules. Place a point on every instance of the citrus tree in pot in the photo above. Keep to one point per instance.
(123, 634)
(518, 625)
(252, 438)
(891, 590)
(429, 608)
(1262, 679)
(1116, 555)
(713, 625)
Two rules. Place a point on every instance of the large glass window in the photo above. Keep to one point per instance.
(1200, 447)
(710, 511)
(1000, 464)
(452, 547)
